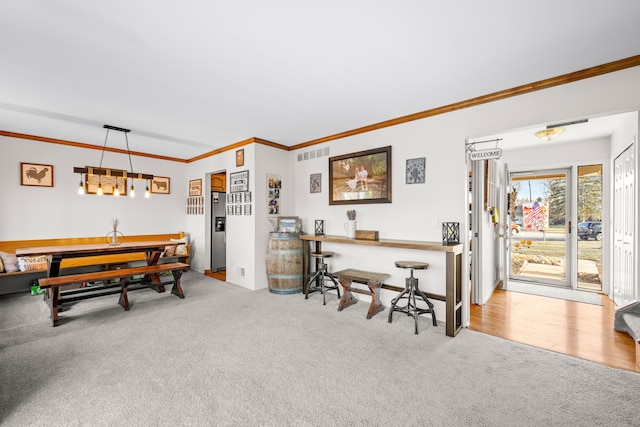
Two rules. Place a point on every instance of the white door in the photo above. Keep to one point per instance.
(623, 228)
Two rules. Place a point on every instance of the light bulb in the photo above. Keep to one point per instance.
(116, 192)
(146, 192)
(132, 193)
(81, 188)
(99, 192)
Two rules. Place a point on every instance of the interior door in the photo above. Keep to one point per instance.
(623, 228)
(541, 230)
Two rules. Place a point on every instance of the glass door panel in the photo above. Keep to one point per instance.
(539, 234)
(590, 227)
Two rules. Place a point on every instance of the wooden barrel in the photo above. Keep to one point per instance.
(284, 263)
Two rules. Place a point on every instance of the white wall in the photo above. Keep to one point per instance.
(54, 212)
(247, 235)
(269, 161)
(416, 211)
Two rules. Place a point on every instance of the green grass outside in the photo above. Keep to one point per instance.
(587, 249)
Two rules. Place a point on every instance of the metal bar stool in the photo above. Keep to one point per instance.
(410, 292)
(317, 282)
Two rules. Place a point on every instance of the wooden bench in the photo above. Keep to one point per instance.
(151, 279)
(372, 280)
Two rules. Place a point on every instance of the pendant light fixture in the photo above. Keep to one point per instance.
(116, 173)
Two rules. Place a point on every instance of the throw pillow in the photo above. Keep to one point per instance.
(1, 266)
(10, 262)
(169, 250)
(182, 248)
(31, 263)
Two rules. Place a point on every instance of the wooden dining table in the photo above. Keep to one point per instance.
(152, 251)
(55, 297)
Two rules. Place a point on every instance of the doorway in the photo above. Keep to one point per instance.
(218, 223)
(540, 229)
(550, 244)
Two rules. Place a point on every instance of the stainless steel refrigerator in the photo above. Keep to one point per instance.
(218, 231)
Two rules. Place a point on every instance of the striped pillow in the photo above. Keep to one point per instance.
(30, 263)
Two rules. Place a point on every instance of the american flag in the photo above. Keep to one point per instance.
(535, 216)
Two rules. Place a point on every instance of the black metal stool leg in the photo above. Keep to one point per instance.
(412, 293)
(318, 282)
(335, 282)
(310, 286)
(429, 304)
(394, 303)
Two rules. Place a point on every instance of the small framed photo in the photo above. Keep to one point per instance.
(238, 197)
(240, 157)
(247, 197)
(239, 181)
(315, 183)
(160, 185)
(415, 171)
(238, 210)
(247, 209)
(229, 209)
(36, 175)
(288, 224)
(195, 187)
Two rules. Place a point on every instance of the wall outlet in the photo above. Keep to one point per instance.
(241, 271)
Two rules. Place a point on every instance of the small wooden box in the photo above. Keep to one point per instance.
(366, 235)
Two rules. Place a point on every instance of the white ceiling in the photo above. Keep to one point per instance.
(188, 77)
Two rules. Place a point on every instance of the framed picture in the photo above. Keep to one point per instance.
(274, 184)
(362, 177)
(247, 209)
(415, 170)
(238, 197)
(247, 197)
(315, 183)
(288, 224)
(240, 157)
(195, 187)
(160, 185)
(229, 209)
(238, 210)
(107, 183)
(239, 181)
(36, 175)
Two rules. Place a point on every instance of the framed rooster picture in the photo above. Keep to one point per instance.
(36, 175)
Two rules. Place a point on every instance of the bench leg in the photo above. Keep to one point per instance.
(124, 298)
(347, 297)
(375, 306)
(53, 299)
(177, 289)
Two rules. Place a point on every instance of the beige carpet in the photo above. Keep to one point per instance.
(227, 356)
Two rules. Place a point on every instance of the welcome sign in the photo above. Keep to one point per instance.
(494, 153)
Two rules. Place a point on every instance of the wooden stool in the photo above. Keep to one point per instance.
(317, 283)
(410, 291)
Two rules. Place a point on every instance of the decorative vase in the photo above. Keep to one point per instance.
(350, 227)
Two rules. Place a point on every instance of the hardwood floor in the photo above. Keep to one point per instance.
(220, 275)
(568, 327)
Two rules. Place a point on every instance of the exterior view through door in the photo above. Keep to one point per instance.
(543, 234)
